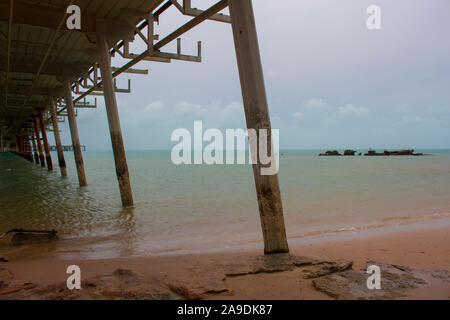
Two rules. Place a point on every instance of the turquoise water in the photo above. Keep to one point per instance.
(195, 207)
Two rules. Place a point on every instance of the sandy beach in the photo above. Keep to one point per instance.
(208, 275)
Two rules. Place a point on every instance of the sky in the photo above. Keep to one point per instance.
(331, 82)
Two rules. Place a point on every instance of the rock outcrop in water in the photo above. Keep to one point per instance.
(408, 152)
(349, 152)
(330, 153)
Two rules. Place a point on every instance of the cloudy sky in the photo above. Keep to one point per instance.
(331, 82)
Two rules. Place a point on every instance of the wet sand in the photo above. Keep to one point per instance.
(428, 249)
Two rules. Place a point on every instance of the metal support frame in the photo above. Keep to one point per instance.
(86, 104)
(152, 51)
(204, 15)
(161, 43)
(186, 9)
(97, 91)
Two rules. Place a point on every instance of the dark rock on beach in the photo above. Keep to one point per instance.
(20, 239)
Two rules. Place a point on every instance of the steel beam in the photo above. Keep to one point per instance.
(174, 35)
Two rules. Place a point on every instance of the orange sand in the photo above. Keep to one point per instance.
(424, 249)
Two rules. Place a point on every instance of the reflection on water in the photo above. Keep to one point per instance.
(33, 198)
(200, 207)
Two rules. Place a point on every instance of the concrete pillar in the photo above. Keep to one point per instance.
(114, 121)
(61, 160)
(74, 134)
(39, 144)
(257, 117)
(35, 151)
(29, 149)
(48, 156)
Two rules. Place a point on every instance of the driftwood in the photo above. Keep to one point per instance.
(22, 236)
(50, 232)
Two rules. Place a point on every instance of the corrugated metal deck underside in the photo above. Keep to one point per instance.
(25, 45)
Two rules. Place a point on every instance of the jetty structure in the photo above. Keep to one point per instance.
(50, 64)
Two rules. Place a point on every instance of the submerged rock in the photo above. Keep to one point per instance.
(20, 238)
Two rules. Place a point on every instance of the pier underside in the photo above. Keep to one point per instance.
(50, 65)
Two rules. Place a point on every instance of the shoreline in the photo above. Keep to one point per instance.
(327, 236)
(385, 226)
(423, 246)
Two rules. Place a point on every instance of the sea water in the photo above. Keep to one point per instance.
(199, 207)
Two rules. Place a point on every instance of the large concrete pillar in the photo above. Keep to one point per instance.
(61, 160)
(257, 117)
(48, 156)
(29, 149)
(39, 143)
(114, 121)
(35, 151)
(74, 134)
